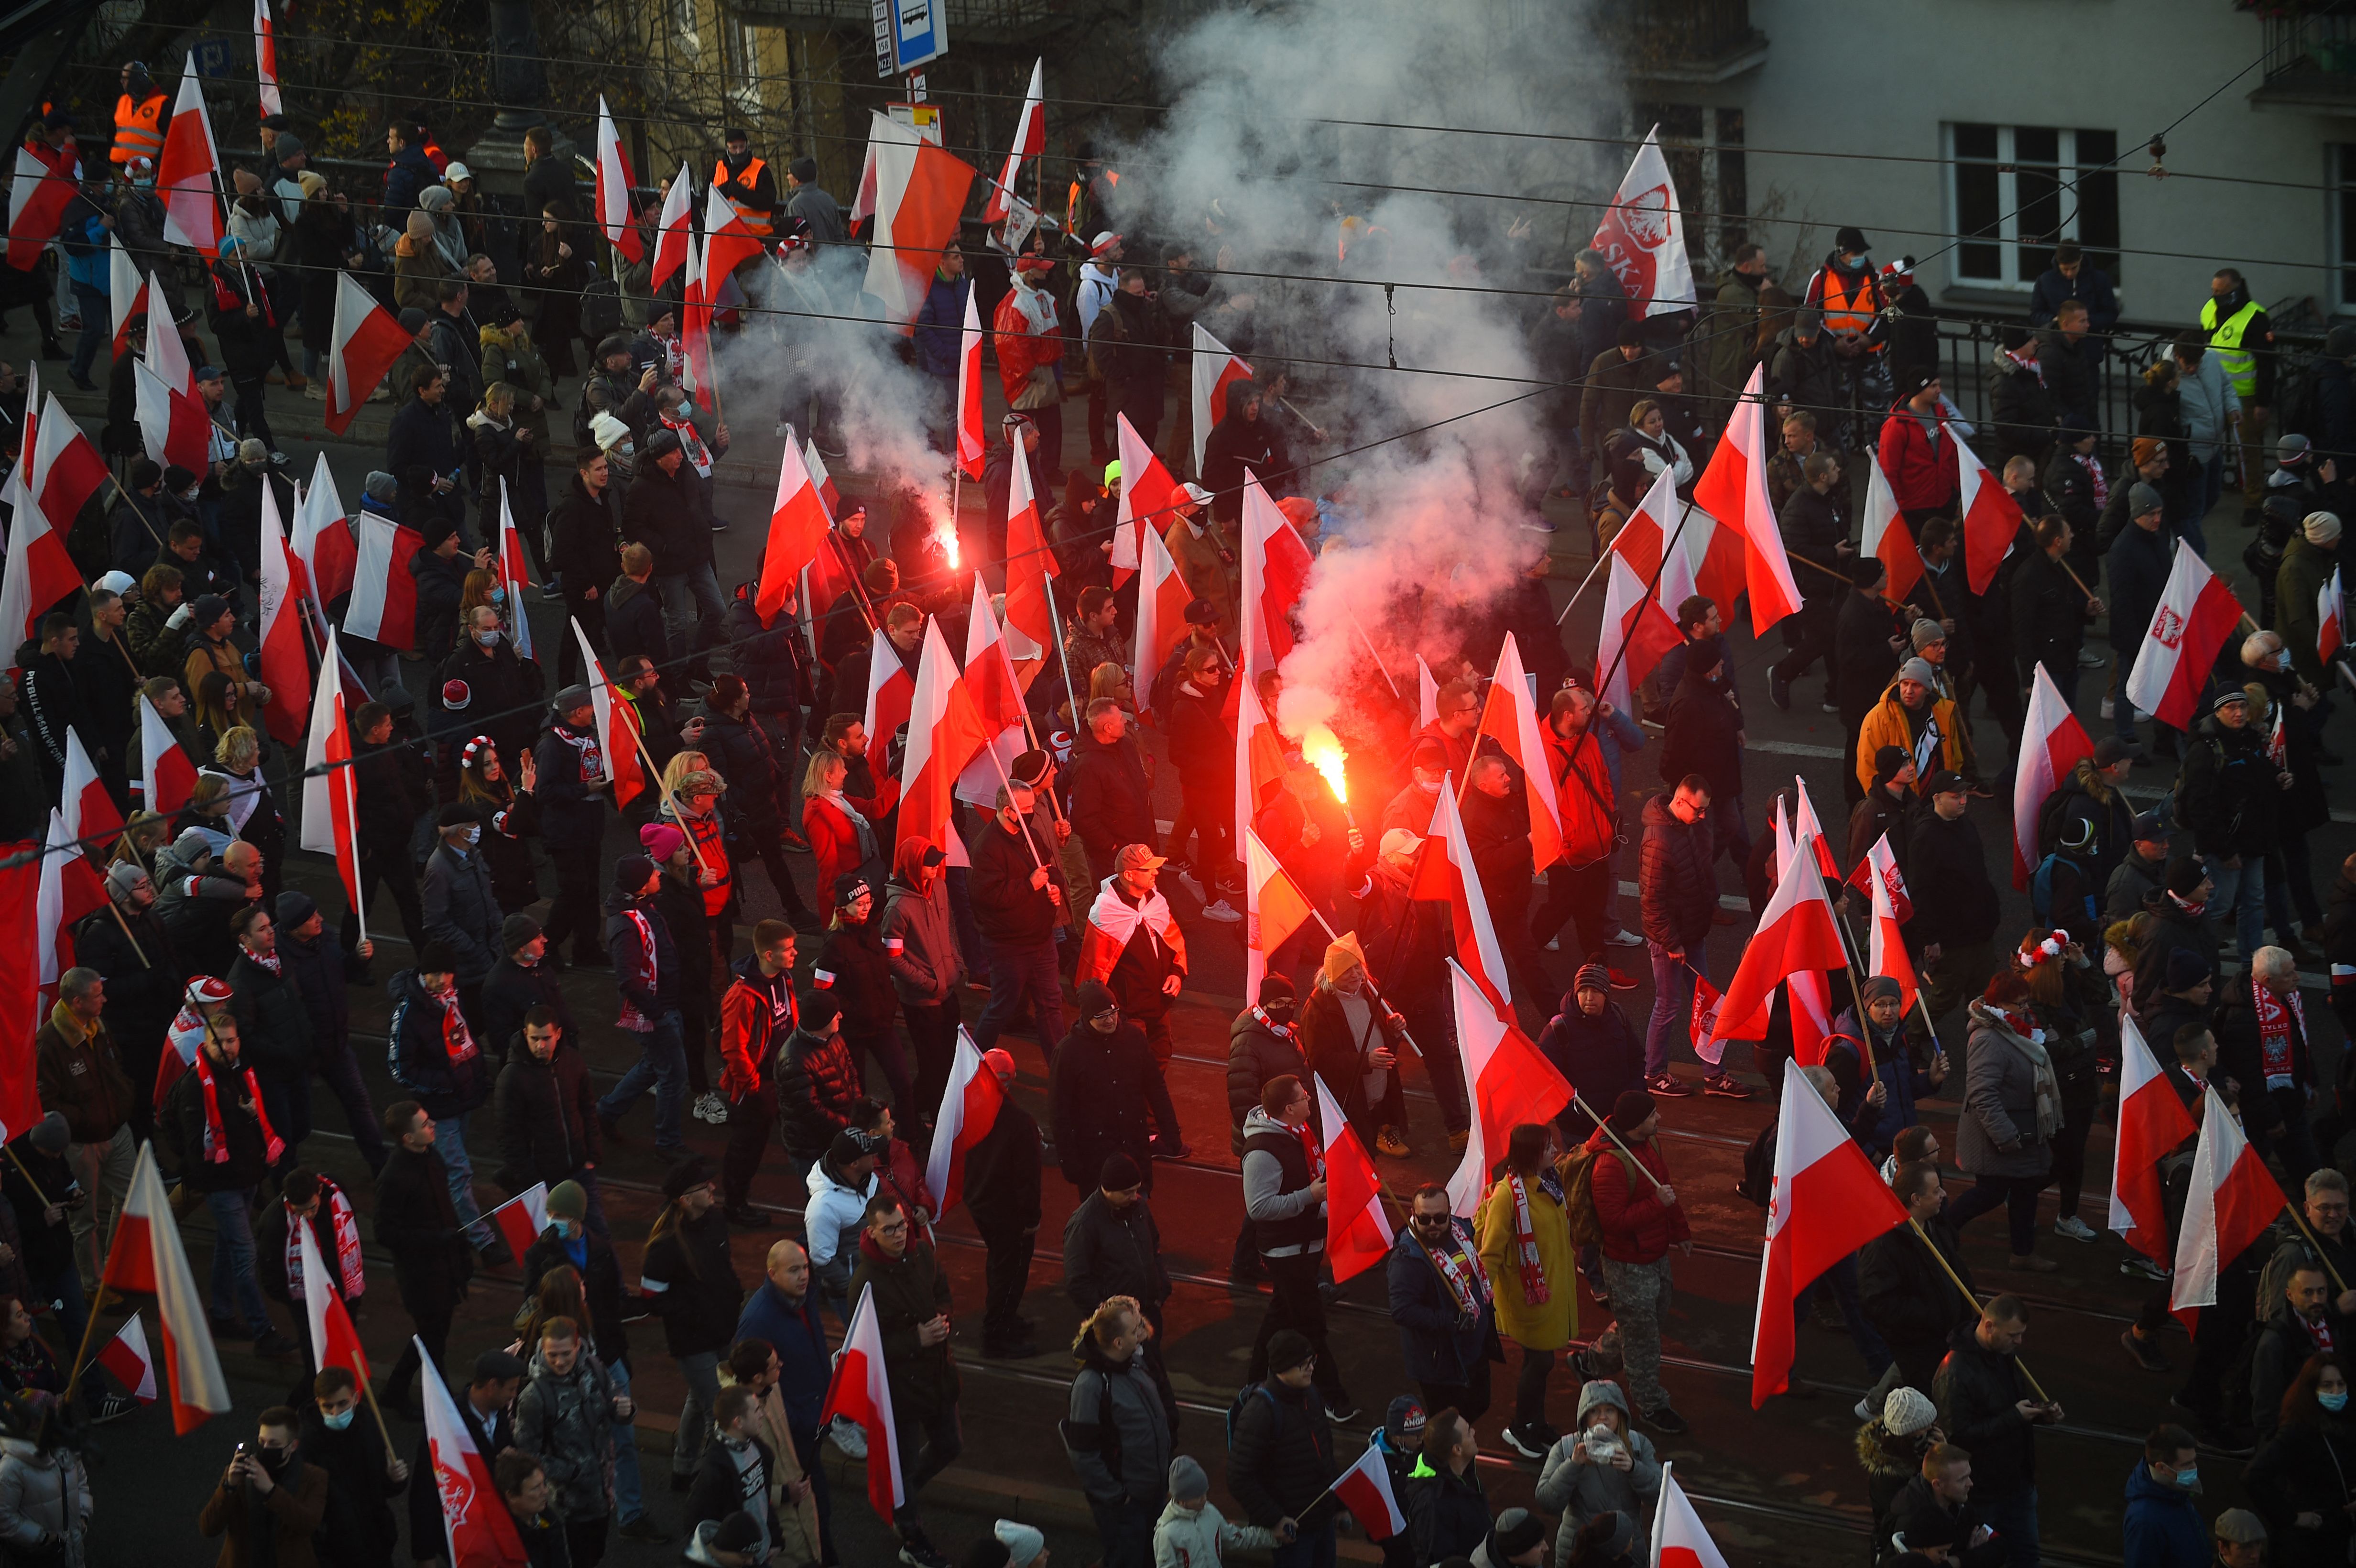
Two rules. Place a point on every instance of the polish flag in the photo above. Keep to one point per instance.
(1643, 236)
(383, 606)
(1029, 620)
(330, 822)
(476, 1524)
(1212, 369)
(68, 889)
(614, 214)
(674, 228)
(1274, 907)
(945, 730)
(1511, 719)
(522, 1218)
(1708, 559)
(997, 690)
(334, 1341)
(890, 688)
(1886, 535)
(1734, 489)
(265, 60)
(815, 460)
(916, 191)
(1161, 601)
(126, 289)
(1275, 570)
(695, 324)
(1991, 519)
(2330, 613)
(972, 445)
(1507, 1082)
(145, 1255)
(861, 1392)
(1821, 1173)
(173, 427)
(1888, 954)
(1806, 825)
(1146, 492)
(1259, 763)
(2197, 613)
(969, 1107)
(41, 190)
(616, 724)
(1427, 695)
(1810, 996)
(515, 572)
(323, 542)
(2153, 1123)
(1029, 142)
(1364, 1489)
(2052, 742)
(1795, 933)
(1357, 1229)
(168, 779)
(167, 356)
(1636, 623)
(1880, 864)
(89, 810)
(126, 1356)
(187, 172)
(2233, 1200)
(1679, 1539)
(283, 663)
(64, 474)
(362, 345)
(798, 520)
(727, 243)
(1446, 873)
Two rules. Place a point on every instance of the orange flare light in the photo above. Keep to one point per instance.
(1323, 753)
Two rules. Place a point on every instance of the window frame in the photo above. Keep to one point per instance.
(2072, 179)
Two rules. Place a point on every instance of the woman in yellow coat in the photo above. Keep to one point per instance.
(1525, 1246)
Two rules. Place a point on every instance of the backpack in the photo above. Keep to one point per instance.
(2041, 890)
(1578, 1171)
(1235, 1407)
(601, 309)
(1758, 1183)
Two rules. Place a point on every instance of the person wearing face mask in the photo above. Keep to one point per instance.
(462, 913)
(2162, 1525)
(1105, 1092)
(358, 1531)
(500, 685)
(270, 1500)
(2295, 1480)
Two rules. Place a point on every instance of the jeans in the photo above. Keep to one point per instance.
(1017, 969)
(449, 1138)
(2014, 1519)
(662, 1059)
(2016, 1194)
(97, 328)
(233, 1259)
(1672, 1001)
(2243, 889)
(701, 1371)
(702, 587)
(629, 1490)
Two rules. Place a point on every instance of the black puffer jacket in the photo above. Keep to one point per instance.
(1676, 883)
(547, 1116)
(771, 661)
(1282, 1456)
(818, 1078)
(1255, 1053)
(696, 1291)
(1949, 856)
(2227, 793)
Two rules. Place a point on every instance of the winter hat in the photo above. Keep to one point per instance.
(1023, 1545)
(661, 443)
(119, 583)
(1907, 1411)
(517, 930)
(498, 1366)
(1629, 1111)
(2291, 449)
(2143, 448)
(661, 840)
(693, 1171)
(740, 1532)
(293, 910)
(2186, 969)
(630, 874)
(804, 169)
(1094, 999)
(1928, 634)
(2142, 499)
(1516, 1530)
(435, 198)
(289, 145)
(1340, 957)
(50, 1134)
(1276, 989)
(1880, 987)
(1850, 240)
(412, 318)
(2109, 753)
(1919, 669)
(1590, 977)
(125, 874)
(1187, 1480)
(567, 1201)
(1866, 570)
(1403, 1424)
(2227, 698)
(609, 432)
(1888, 760)
(2185, 875)
(189, 844)
(455, 815)
(2321, 529)
(435, 958)
(848, 886)
(1623, 1540)
(208, 608)
(1287, 1348)
(1119, 1173)
(381, 488)
(1598, 1392)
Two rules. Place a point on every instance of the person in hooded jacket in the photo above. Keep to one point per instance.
(696, 1293)
(1591, 1043)
(1873, 1121)
(1108, 1095)
(1602, 1466)
(2012, 1114)
(435, 1057)
(1118, 1434)
(568, 1415)
(646, 973)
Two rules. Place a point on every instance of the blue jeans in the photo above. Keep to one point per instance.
(450, 1138)
(629, 1492)
(1313, 1550)
(701, 1371)
(233, 1259)
(1672, 1002)
(663, 1060)
(2243, 890)
(1016, 969)
(97, 328)
(1841, 1280)
(701, 586)
(2014, 1519)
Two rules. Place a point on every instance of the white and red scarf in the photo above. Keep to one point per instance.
(645, 974)
(457, 1041)
(215, 1150)
(1536, 1291)
(2276, 1017)
(346, 1232)
(585, 749)
(2094, 467)
(1458, 1263)
(691, 441)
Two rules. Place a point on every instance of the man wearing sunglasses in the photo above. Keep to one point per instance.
(1441, 1300)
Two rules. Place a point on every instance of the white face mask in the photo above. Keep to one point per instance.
(489, 639)
(471, 836)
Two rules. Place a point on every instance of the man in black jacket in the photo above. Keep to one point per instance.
(1984, 1408)
(389, 788)
(632, 613)
(2300, 1325)
(275, 1026)
(225, 1147)
(1815, 533)
(143, 981)
(1108, 1095)
(696, 1293)
(418, 1224)
(574, 775)
(547, 1114)
(521, 980)
(2050, 612)
(2230, 795)
(316, 966)
(1001, 1193)
(1676, 889)
(1282, 1456)
(1954, 928)
(646, 973)
(434, 1056)
(1112, 802)
(1907, 1297)
(584, 530)
(486, 1410)
(1018, 898)
(1868, 640)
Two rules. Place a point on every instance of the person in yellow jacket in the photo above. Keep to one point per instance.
(1526, 1247)
(139, 116)
(1912, 717)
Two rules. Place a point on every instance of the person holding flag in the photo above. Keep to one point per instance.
(902, 1283)
(216, 1116)
(1280, 1459)
(362, 1472)
(307, 1199)
(1878, 1103)
(1640, 1221)
(1192, 1529)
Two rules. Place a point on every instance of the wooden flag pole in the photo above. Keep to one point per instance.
(1949, 1270)
(1604, 1122)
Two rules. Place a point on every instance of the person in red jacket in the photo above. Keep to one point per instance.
(1029, 352)
(1641, 1221)
(1918, 451)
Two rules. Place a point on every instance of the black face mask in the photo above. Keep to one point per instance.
(273, 1460)
(1278, 1012)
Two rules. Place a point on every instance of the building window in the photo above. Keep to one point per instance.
(744, 50)
(2014, 191)
(1705, 165)
(684, 18)
(2343, 227)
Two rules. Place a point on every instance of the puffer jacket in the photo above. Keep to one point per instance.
(1889, 1463)
(2227, 791)
(1601, 1056)
(45, 1505)
(418, 1053)
(569, 1422)
(1999, 1104)
(1203, 1538)
(547, 1118)
(1256, 1052)
(1580, 1490)
(1132, 1462)
(818, 1078)
(1637, 1228)
(1676, 883)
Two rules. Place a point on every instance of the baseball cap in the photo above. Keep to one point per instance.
(1946, 781)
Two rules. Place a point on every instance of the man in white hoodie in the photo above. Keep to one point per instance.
(840, 1186)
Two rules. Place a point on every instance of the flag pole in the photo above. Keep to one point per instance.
(82, 1354)
(1377, 654)
(369, 1390)
(2300, 1221)
(1949, 1270)
(1601, 557)
(1063, 656)
(1579, 1101)
(1377, 990)
(1071, 917)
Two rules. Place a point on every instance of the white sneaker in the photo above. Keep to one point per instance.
(848, 1437)
(1554, 944)
(2074, 1228)
(1624, 937)
(1192, 884)
(1221, 912)
(711, 1107)
(2110, 708)
(2089, 659)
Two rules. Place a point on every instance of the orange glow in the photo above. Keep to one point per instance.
(945, 535)
(1324, 753)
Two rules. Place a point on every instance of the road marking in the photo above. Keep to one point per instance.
(1794, 748)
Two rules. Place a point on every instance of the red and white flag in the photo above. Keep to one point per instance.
(1146, 492)
(322, 541)
(515, 573)
(167, 777)
(1427, 694)
(616, 724)
(1446, 873)
(1030, 617)
(1796, 932)
(969, 1107)
(675, 228)
(42, 188)
(1507, 1082)
(331, 824)
(815, 461)
(727, 244)
(614, 214)
(476, 1524)
(1511, 718)
(1260, 765)
(1274, 907)
(285, 664)
(1635, 621)
(265, 60)
(362, 344)
(334, 1341)
(972, 445)
(861, 1392)
(2152, 1124)
(916, 191)
(126, 289)
(1642, 235)
(1364, 1489)
(945, 730)
(88, 808)
(1881, 864)
(188, 172)
(1887, 954)
(70, 889)
(2052, 742)
(997, 691)
(1707, 1001)
(22, 1011)
(1807, 990)
(2233, 1200)
(1886, 536)
(1679, 1539)
(145, 1255)
(1733, 489)
(798, 520)
(1991, 519)
(1211, 370)
(2197, 613)
(64, 474)
(167, 356)
(1274, 566)
(522, 1218)
(173, 426)
(2331, 620)
(1029, 142)
(126, 1356)
(1828, 1200)
(384, 605)
(1161, 600)
(1357, 1228)
(890, 688)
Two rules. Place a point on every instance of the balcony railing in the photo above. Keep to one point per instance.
(1683, 40)
(2310, 60)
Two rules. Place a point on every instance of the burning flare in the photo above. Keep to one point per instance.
(1324, 753)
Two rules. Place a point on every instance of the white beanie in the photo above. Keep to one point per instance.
(608, 430)
(2322, 529)
(1022, 1544)
(1907, 1411)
